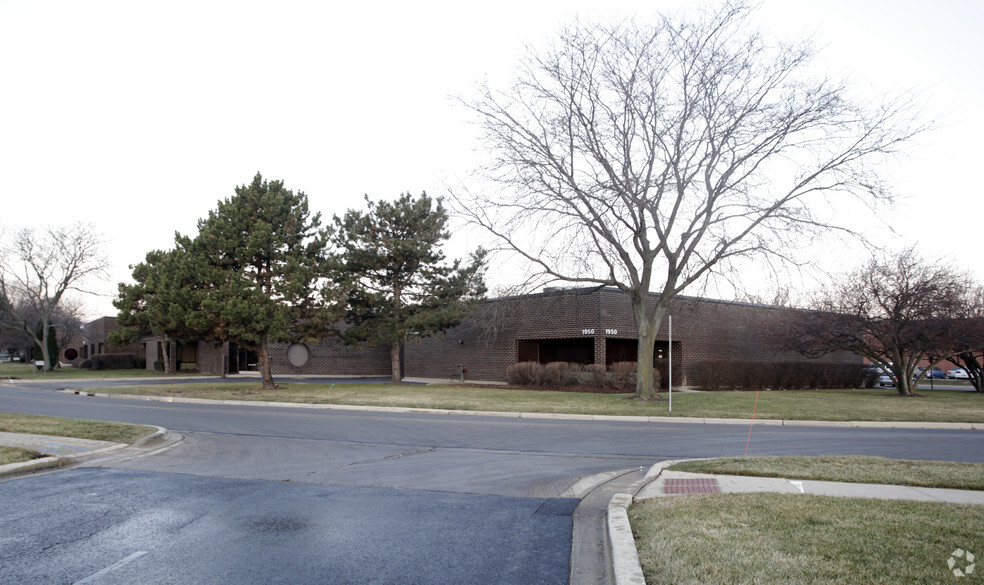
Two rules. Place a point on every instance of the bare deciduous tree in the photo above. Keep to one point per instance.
(36, 270)
(896, 312)
(646, 156)
(962, 342)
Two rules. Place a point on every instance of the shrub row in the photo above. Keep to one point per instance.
(571, 377)
(110, 361)
(725, 375)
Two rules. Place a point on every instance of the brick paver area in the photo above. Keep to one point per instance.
(691, 485)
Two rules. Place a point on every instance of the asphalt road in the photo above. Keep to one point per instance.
(170, 528)
(292, 495)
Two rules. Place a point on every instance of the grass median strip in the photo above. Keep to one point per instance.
(856, 469)
(16, 455)
(832, 405)
(66, 427)
(22, 371)
(773, 538)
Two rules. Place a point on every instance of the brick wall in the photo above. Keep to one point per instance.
(702, 330)
(211, 358)
(488, 342)
(331, 357)
(328, 357)
(95, 336)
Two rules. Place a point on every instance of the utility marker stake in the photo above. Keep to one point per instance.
(754, 408)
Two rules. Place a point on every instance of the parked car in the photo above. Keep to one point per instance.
(869, 375)
(958, 373)
(885, 380)
(933, 373)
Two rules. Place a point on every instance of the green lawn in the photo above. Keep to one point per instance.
(855, 469)
(722, 539)
(29, 372)
(777, 539)
(781, 538)
(67, 427)
(16, 455)
(833, 405)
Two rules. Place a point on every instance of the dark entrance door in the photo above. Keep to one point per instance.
(241, 359)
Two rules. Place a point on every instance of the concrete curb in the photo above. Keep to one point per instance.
(32, 465)
(55, 461)
(623, 553)
(625, 556)
(621, 545)
(550, 416)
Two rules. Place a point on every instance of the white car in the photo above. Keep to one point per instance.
(958, 374)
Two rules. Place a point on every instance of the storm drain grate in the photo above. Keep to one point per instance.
(691, 485)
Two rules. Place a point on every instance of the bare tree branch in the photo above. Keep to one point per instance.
(39, 267)
(646, 155)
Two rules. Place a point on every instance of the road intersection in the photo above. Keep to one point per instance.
(291, 494)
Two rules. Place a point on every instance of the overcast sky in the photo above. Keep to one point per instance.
(139, 116)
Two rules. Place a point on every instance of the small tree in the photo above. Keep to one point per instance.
(36, 272)
(962, 337)
(893, 311)
(398, 285)
(651, 154)
(252, 276)
(164, 298)
(68, 320)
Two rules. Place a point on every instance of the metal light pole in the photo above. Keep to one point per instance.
(670, 382)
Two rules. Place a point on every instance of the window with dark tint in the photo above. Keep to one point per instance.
(578, 351)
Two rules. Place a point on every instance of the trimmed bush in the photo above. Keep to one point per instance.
(560, 374)
(624, 376)
(521, 374)
(869, 376)
(113, 361)
(596, 377)
(572, 377)
(725, 375)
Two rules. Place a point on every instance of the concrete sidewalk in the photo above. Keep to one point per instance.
(663, 483)
(668, 483)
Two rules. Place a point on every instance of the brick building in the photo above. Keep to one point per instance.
(95, 339)
(588, 326)
(328, 357)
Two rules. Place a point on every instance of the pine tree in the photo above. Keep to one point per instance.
(398, 285)
(165, 299)
(253, 275)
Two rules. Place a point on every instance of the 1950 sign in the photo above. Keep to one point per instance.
(592, 332)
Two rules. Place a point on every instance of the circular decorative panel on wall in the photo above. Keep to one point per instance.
(298, 355)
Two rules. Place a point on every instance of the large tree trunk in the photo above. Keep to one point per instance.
(903, 381)
(974, 371)
(395, 363)
(43, 343)
(647, 326)
(172, 357)
(167, 352)
(903, 386)
(263, 356)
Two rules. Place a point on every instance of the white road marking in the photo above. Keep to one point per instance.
(93, 577)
